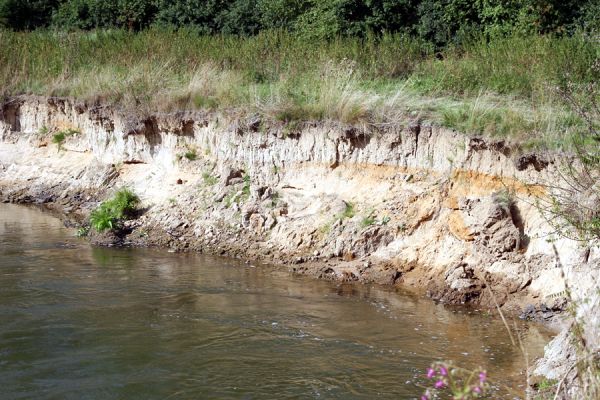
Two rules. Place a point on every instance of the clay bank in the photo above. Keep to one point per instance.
(415, 205)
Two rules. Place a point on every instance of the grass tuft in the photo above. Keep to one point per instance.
(112, 212)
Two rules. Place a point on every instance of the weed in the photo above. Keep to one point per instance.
(325, 229)
(209, 180)
(60, 137)
(348, 211)
(229, 199)
(172, 201)
(368, 220)
(246, 188)
(112, 212)
(82, 231)
(458, 382)
(191, 155)
(43, 130)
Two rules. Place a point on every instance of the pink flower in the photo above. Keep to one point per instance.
(425, 397)
(439, 384)
(443, 371)
(477, 389)
(482, 376)
(430, 373)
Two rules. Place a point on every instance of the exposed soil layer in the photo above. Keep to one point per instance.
(419, 206)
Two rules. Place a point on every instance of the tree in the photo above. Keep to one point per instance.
(26, 14)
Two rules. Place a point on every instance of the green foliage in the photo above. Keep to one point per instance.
(209, 180)
(60, 137)
(348, 211)
(368, 220)
(441, 22)
(371, 79)
(90, 14)
(83, 231)
(112, 212)
(191, 155)
(246, 188)
(26, 14)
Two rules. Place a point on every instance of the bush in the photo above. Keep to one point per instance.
(112, 212)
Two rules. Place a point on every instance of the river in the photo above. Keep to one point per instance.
(78, 322)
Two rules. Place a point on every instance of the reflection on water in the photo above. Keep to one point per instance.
(86, 323)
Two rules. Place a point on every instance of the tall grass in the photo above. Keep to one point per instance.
(502, 87)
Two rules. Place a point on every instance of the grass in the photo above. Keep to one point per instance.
(209, 180)
(348, 211)
(191, 155)
(369, 220)
(112, 212)
(499, 88)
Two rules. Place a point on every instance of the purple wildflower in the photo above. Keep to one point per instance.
(439, 384)
(482, 376)
(430, 373)
(477, 389)
(443, 371)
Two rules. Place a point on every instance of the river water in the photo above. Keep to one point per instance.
(78, 322)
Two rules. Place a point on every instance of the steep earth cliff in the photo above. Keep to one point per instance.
(413, 205)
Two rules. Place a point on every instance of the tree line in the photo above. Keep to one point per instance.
(440, 22)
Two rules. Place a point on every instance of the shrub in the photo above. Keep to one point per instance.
(112, 212)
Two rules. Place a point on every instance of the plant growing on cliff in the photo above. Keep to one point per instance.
(112, 212)
(368, 220)
(60, 137)
(348, 211)
(573, 207)
(191, 155)
(246, 188)
(209, 180)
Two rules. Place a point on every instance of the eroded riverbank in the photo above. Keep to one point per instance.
(415, 207)
(77, 321)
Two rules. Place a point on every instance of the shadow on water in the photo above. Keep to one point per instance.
(92, 323)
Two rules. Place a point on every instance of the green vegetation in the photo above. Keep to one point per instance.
(368, 220)
(501, 86)
(112, 212)
(348, 211)
(191, 155)
(246, 188)
(209, 180)
(440, 22)
(479, 67)
(83, 231)
(60, 137)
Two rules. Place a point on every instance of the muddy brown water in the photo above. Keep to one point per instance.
(78, 322)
